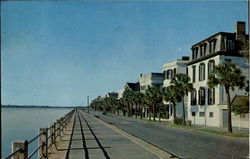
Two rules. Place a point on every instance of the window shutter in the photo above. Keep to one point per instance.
(213, 95)
(204, 101)
(208, 94)
(199, 72)
(203, 72)
(199, 95)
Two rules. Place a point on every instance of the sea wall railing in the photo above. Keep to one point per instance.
(46, 138)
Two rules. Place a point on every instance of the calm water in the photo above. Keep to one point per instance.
(23, 124)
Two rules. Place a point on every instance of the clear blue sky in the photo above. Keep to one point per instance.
(57, 53)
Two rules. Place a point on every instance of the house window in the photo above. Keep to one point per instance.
(210, 67)
(202, 72)
(202, 50)
(169, 74)
(193, 97)
(186, 71)
(195, 53)
(202, 96)
(194, 70)
(230, 45)
(201, 114)
(211, 114)
(228, 60)
(174, 71)
(165, 74)
(212, 46)
(211, 96)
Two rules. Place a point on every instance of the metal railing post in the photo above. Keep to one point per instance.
(54, 132)
(57, 127)
(60, 127)
(50, 131)
(46, 142)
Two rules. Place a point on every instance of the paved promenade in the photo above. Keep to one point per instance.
(181, 142)
(89, 137)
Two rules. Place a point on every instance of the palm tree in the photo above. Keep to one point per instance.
(141, 102)
(154, 96)
(229, 76)
(170, 95)
(182, 86)
(128, 98)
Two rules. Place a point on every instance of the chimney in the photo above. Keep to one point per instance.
(240, 30)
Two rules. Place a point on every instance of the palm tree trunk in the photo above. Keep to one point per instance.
(149, 112)
(174, 111)
(141, 111)
(230, 129)
(136, 111)
(159, 114)
(183, 109)
(127, 110)
(154, 111)
(124, 112)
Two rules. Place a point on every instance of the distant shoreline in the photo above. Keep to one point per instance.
(37, 106)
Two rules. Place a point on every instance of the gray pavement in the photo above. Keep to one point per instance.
(181, 142)
(112, 141)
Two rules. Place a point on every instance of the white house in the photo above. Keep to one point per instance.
(169, 70)
(149, 80)
(207, 106)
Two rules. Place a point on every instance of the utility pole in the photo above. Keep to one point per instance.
(88, 103)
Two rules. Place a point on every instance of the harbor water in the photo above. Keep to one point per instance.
(24, 123)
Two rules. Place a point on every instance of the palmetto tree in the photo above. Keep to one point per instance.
(229, 76)
(128, 99)
(138, 102)
(170, 95)
(182, 86)
(154, 96)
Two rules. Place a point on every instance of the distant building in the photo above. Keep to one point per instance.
(207, 106)
(133, 86)
(170, 69)
(120, 93)
(149, 80)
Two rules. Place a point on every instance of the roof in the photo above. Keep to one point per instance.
(133, 86)
(211, 37)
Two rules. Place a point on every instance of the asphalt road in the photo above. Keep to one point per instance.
(181, 142)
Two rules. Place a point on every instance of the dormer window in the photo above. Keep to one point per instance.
(169, 74)
(203, 50)
(230, 45)
(212, 46)
(195, 53)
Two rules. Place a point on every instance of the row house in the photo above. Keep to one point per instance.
(170, 70)
(149, 80)
(207, 106)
